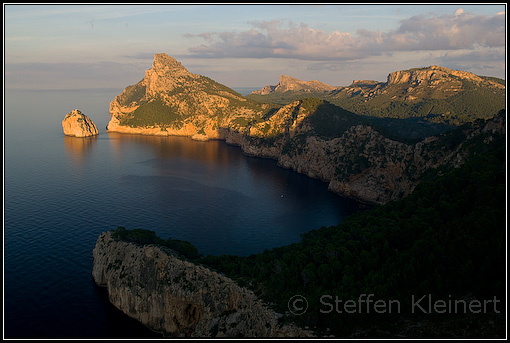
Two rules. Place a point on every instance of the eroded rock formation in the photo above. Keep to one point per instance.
(179, 298)
(170, 100)
(78, 124)
(349, 151)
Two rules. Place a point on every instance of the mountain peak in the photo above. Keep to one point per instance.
(289, 83)
(163, 62)
(286, 79)
(436, 74)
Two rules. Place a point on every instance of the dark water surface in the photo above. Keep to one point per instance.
(62, 192)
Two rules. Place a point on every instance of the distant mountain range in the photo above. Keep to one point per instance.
(376, 146)
(289, 83)
(436, 94)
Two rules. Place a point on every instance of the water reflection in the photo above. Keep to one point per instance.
(168, 147)
(222, 201)
(78, 148)
(211, 162)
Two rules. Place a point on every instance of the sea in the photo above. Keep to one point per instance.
(61, 192)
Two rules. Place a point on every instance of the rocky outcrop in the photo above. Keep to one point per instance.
(309, 136)
(363, 164)
(288, 83)
(437, 74)
(170, 100)
(421, 85)
(179, 298)
(78, 124)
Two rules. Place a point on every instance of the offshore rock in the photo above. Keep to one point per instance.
(179, 298)
(78, 124)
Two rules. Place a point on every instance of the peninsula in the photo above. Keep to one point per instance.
(370, 159)
(177, 298)
(438, 227)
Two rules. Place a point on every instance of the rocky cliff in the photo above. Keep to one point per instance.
(178, 298)
(78, 124)
(437, 74)
(170, 100)
(359, 162)
(353, 153)
(434, 93)
(431, 82)
(288, 83)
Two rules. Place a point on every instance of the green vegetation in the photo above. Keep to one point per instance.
(446, 239)
(154, 112)
(144, 237)
(192, 95)
(331, 121)
(431, 104)
(285, 97)
(464, 107)
(328, 120)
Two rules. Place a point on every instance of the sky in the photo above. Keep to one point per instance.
(111, 45)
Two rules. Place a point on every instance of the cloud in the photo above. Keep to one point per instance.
(281, 39)
(488, 55)
(461, 31)
(488, 62)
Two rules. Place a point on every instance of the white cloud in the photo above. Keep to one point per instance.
(281, 39)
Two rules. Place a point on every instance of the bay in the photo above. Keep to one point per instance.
(61, 192)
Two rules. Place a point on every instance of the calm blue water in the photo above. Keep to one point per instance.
(62, 192)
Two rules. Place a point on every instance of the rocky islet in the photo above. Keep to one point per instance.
(77, 124)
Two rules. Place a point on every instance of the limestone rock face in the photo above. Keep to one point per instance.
(364, 165)
(78, 124)
(170, 100)
(312, 136)
(417, 87)
(179, 298)
(435, 75)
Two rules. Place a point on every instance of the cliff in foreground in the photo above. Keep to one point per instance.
(178, 298)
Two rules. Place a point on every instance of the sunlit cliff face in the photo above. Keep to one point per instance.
(78, 124)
